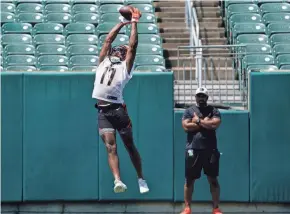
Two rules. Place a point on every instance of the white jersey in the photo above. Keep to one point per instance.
(110, 80)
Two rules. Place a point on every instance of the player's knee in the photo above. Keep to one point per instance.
(111, 146)
(213, 182)
(189, 182)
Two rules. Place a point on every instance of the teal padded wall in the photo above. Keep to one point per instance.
(149, 98)
(270, 136)
(233, 143)
(60, 137)
(11, 137)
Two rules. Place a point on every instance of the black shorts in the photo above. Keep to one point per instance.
(113, 117)
(208, 160)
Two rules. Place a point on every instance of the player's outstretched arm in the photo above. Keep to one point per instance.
(109, 40)
(133, 43)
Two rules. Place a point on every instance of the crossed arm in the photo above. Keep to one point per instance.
(190, 125)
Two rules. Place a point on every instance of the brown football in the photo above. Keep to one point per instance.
(125, 12)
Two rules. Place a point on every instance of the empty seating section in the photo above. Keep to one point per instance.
(263, 26)
(67, 35)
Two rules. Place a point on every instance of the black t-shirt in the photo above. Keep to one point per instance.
(203, 138)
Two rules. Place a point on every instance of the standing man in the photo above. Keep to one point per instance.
(200, 122)
(113, 73)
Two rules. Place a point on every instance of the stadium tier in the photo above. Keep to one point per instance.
(264, 26)
(67, 35)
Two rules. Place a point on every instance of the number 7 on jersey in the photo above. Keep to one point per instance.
(113, 72)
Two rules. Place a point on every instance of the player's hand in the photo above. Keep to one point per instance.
(195, 118)
(136, 14)
(125, 21)
(206, 118)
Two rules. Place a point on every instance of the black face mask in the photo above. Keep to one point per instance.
(122, 52)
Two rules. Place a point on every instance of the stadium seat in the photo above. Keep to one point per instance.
(86, 18)
(120, 40)
(19, 49)
(116, 18)
(75, 39)
(82, 50)
(242, 8)
(50, 49)
(244, 17)
(275, 7)
(55, 60)
(50, 28)
(96, 2)
(144, 8)
(274, 28)
(28, 1)
(110, 8)
(258, 49)
(7, 7)
(21, 68)
(82, 28)
(276, 17)
(285, 67)
(147, 49)
(16, 38)
(280, 38)
(111, 1)
(230, 2)
(57, 8)
(41, 39)
(7, 17)
(85, 60)
(138, 1)
(252, 38)
(149, 60)
(281, 49)
(258, 59)
(56, 1)
(148, 68)
(30, 17)
(62, 18)
(248, 28)
(17, 28)
(85, 8)
(29, 8)
(149, 39)
(283, 59)
(19, 60)
(84, 68)
(145, 28)
(105, 28)
(263, 67)
(53, 68)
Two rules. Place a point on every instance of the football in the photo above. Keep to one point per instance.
(125, 12)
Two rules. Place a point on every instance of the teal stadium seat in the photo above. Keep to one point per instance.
(84, 68)
(110, 8)
(149, 39)
(19, 49)
(58, 8)
(258, 49)
(96, 2)
(105, 28)
(50, 49)
(258, 59)
(149, 60)
(281, 49)
(144, 8)
(29, 8)
(54, 68)
(84, 60)
(138, 1)
(41, 39)
(48, 28)
(55, 60)
(280, 38)
(116, 18)
(62, 18)
(86, 18)
(112, 1)
(75, 39)
(120, 40)
(7, 7)
(150, 68)
(283, 59)
(147, 49)
(85, 8)
(243, 18)
(248, 28)
(276, 17)
(82, 50)
(242, 8)
(263, 67)
(16, 39)
(81, 28)
(274, 28)
(145, 28)
(30, 18)
(7, 17)
(28, 1)
(18, 60)
(230, 2)
(252, 39)
(17, 28)
(276, 7)
(21, 68)
(285, 67)
(56, 1)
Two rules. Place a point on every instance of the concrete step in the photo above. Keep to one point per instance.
(214, 41)
(207, 9)
(222, 99)
(210, 14)
(176, 40)
(175, 35)
(174, 52)
(181, 25)
(170, 14)
(188, 92)
(202, 3)
(210, 24)
(209, 19)
(169, 4)
(172, 20)
(182, 29)
(170, 9)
